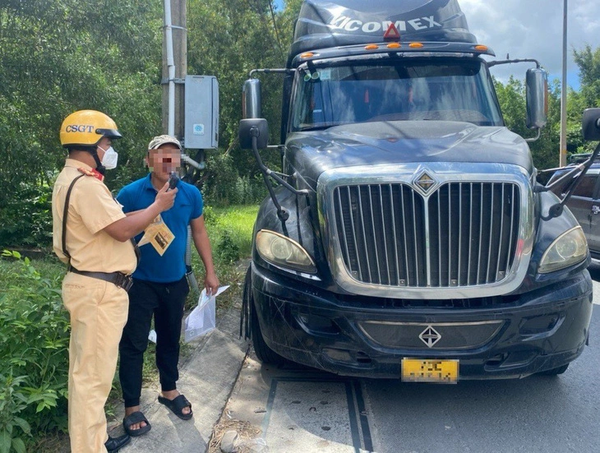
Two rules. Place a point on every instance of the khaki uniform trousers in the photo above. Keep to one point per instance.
(98, 312)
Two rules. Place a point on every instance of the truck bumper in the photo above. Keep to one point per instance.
(537, 331)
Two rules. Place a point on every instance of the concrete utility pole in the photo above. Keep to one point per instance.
(175, 32)
(563, 92)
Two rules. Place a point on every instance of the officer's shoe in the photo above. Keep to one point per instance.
(113, 444)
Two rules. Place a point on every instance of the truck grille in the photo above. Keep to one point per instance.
(463, 234)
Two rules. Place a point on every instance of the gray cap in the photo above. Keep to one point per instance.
(160, 140)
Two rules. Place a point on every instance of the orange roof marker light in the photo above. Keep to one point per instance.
(393, 45)
(415, 45)
(481, 47)
(371, 47)
(392, 33)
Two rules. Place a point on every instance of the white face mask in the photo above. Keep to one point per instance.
(110, 159)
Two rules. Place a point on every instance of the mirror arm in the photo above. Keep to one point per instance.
(518, 60)
(281, 213)
(557, 208)
(559, 181)
(537, 137)
(266, 173)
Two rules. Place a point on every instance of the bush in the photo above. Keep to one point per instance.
(34, 339)
(27, 217)
(227, 250)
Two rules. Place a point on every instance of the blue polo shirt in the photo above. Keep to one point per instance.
(188, 206)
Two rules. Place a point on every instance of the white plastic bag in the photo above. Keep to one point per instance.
(202, 319)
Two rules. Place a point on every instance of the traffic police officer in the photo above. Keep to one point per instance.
(92, 235)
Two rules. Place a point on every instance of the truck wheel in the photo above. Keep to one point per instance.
(555, 371)
(264, 353)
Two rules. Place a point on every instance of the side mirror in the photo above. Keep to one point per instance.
(253, 127)
(251, 100)
(536, 82)
(590, 124)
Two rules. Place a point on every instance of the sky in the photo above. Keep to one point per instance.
(532, 29)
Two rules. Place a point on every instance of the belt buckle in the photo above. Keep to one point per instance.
(124, 281)
(127, 282)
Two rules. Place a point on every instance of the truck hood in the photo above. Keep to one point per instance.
(401, 142)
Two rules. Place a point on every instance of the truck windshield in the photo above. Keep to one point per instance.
(412, 89)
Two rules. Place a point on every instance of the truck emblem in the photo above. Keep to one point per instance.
(430, 336)
(425, 182)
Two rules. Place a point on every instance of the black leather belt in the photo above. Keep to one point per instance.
(118, 278)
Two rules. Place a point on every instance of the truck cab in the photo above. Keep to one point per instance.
(406, 235)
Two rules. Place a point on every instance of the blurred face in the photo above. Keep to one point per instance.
(164, 160)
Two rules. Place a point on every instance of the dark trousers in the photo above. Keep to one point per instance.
(164, 301)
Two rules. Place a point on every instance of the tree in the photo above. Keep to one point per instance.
(228, 40)
(61, 56)
(588, 61)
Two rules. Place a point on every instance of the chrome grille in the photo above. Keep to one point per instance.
(463, 234)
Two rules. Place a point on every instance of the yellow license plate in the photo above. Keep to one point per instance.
(430, 370)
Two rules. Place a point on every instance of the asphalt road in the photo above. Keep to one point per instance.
(301, 410)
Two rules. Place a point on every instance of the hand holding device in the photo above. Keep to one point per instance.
(173, 180)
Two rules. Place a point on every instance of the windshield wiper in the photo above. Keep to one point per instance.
(319, 127)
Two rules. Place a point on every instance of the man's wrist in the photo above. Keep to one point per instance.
(154, 208)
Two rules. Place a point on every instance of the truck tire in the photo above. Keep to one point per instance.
(263, 352)
(555, 371)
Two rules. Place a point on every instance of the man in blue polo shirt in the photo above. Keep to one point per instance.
(160, 286)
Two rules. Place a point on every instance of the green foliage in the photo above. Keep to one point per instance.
(228, 40)
(80, 56)
(61, 56)
(227, 249)
(224, 187)
(27, 218)
(34, 338)
(588, 96)
(588, 61)
(12, 402)
(230, 232)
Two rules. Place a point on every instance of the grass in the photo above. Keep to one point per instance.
(230, 233)
(235, 220)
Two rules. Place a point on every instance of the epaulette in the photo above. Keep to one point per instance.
(95, 173)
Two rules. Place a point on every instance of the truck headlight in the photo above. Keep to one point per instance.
(282, 251)
(568, 249)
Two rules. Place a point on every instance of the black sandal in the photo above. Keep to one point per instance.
(176, 406)
(132, 419)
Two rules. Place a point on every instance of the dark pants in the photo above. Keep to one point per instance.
(164, 301)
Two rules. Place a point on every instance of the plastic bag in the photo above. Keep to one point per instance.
(202, 319)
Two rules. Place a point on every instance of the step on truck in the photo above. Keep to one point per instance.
(405, 235)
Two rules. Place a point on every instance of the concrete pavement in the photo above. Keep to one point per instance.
(207, 377)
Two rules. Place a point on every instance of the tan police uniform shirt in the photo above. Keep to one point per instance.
(91, 209)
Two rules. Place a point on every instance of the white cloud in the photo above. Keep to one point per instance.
(534, 29)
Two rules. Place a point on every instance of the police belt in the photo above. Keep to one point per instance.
(118, 278)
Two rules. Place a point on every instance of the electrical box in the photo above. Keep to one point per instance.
(201, 112)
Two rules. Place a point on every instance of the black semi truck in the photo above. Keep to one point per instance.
(405, 235)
